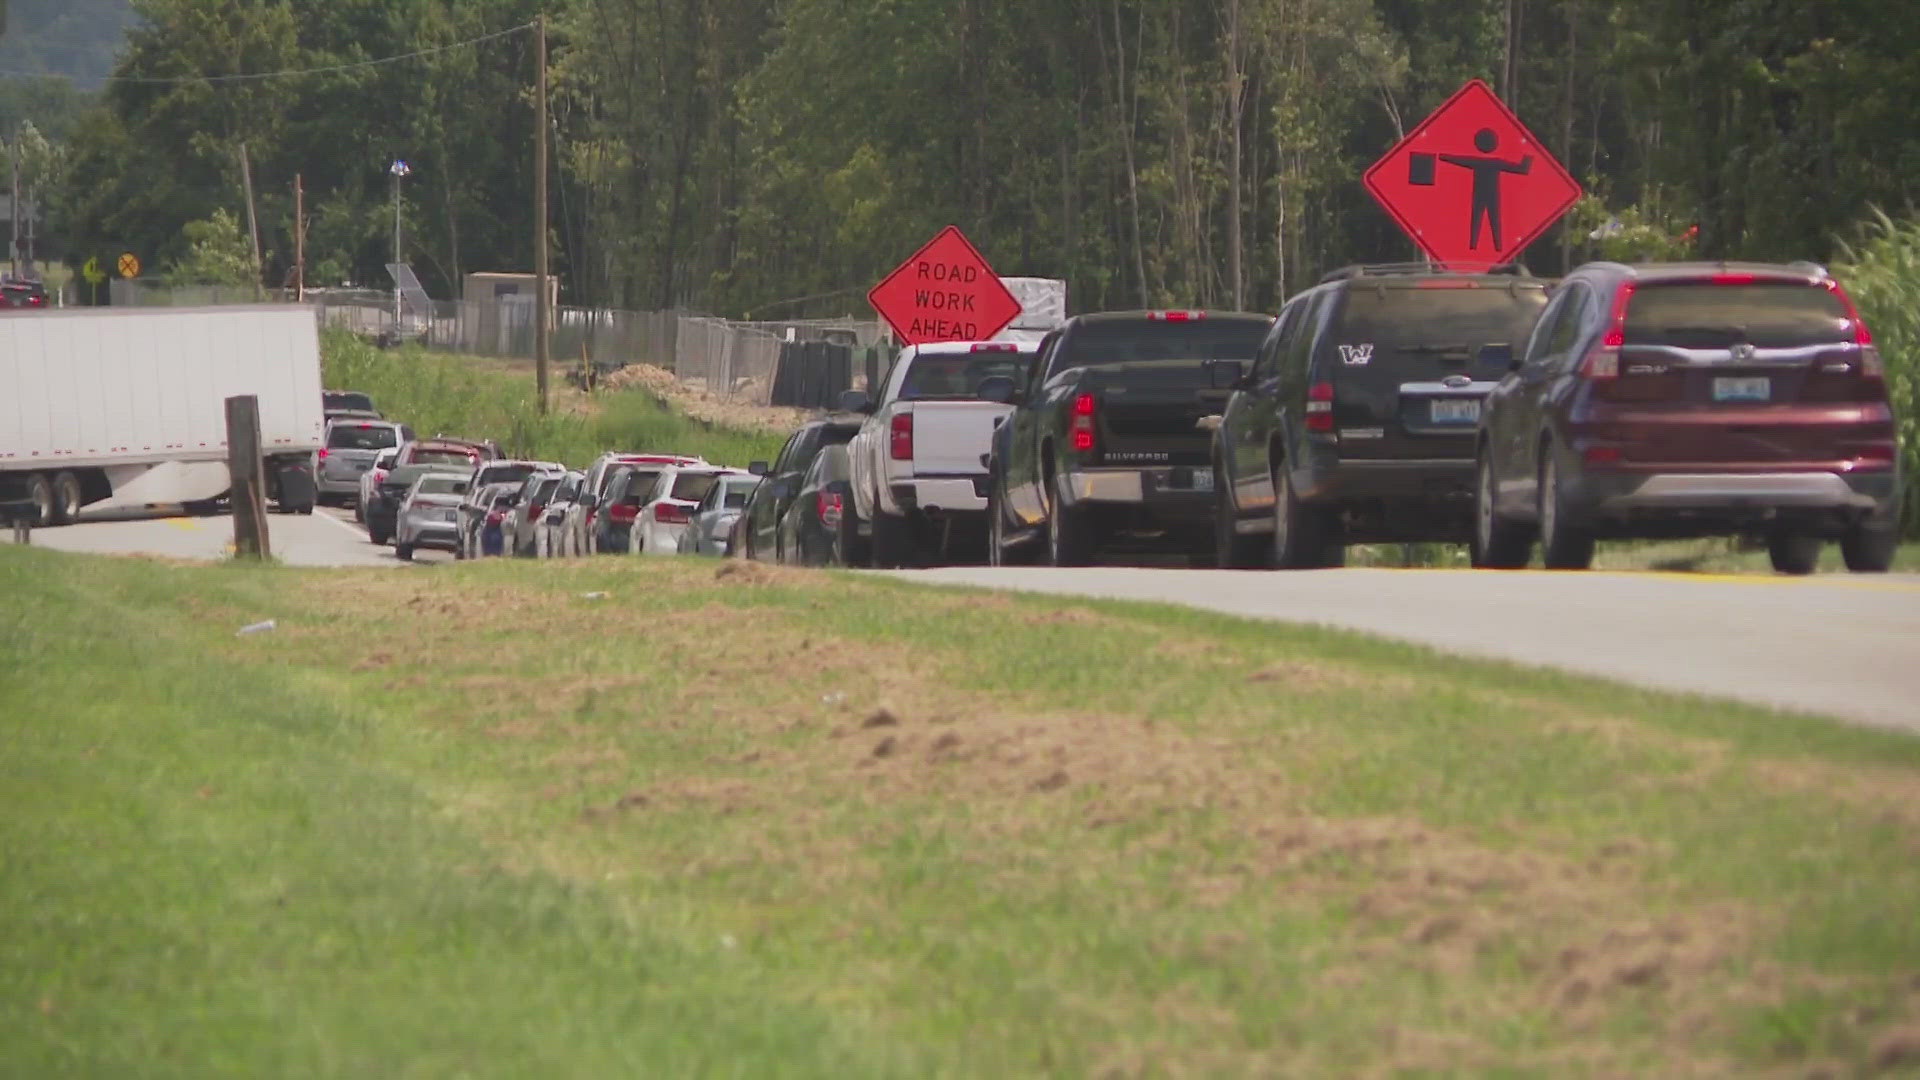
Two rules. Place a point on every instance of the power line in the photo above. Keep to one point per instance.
(291, 73)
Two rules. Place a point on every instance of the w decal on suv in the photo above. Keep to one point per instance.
(1356, 355)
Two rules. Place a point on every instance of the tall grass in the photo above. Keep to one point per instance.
(437, 392)
(1882, 272)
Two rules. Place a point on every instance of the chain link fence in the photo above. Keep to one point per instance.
(735, 362)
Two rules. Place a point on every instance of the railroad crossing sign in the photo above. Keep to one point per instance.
(129, 265)
(92, 272)
(1471, 185)
(945, 292)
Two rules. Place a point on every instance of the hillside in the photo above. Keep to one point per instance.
(77, 39)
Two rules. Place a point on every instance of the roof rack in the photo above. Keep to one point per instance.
(1513, 269)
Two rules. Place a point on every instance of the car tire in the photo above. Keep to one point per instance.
(1069, 540)
(1231, 549)
(359, 512)
(1564, 544)
(1869, 549)
(40, 496)
(999, 552)
(403, 552)
(1303, 536)
(1498, 544)
(850, 548)
(378, 536)
(892, 540)
(1793, 553)
(67, 498)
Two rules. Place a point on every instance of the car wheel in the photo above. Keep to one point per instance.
(359, 512)
(999, 553)
(1233, 550)
(1793, 553)
(1302, 534)
(892, 539)
(1869, 549)
(1069, 542)
(378, 536)
(40, 496)
(1564, 545)
(850, 548)
(403, 552)
(1498, 544)
(66, 498)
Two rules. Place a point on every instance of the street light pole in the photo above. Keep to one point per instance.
(398, 169)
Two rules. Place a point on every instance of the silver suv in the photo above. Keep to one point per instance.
(349, 450)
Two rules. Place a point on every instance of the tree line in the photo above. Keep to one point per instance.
(775, 157)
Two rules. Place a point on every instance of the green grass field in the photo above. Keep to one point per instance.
(476, 398)
(734, 820)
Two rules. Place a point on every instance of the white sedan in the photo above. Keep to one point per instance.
(677, 492)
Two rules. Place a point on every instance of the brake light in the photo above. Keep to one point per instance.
(827, 505)
(366, 427)
(996, 346)
(323, 454)
(1603, 361)
(1601, 455)
(1081, 427)
(900, 443)
(1732, 279)
(1176, 316)
(622, 514)
(670, 513)
(1320, 407)
(496, 517)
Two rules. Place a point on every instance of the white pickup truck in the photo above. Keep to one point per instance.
(916, 469)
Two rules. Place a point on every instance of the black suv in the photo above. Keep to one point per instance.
(1357, 421)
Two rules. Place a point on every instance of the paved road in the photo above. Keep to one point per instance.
(327, 538)
(1840, 645)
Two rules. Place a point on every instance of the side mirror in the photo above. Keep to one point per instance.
(998, 389)
(757, 468)
(856, 401)
(1225, 374)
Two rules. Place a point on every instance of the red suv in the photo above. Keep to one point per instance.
(1691, 399)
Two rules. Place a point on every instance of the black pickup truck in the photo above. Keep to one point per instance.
(1108, 441)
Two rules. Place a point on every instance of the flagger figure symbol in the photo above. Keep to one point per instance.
(1486, 182)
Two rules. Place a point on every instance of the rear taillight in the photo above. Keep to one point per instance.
(1320, 407)
(900, 443)
(671, 513)
(622, 514)
(1603, 360)
(496, 517)
(1081, 428)
(1872, 367)
(827, 505)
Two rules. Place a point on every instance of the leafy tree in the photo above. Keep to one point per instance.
(218, 253)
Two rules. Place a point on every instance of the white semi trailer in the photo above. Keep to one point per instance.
(124, 409)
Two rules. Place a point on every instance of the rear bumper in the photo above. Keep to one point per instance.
(335, 486)
(1166, 488)
(943, 495)
(1617, 494)
(433, 535)
(1331, 478)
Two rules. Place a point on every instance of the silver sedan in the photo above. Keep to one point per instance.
(712, 521)
(430, 515)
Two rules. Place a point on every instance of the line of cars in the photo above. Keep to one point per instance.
(1387, 403)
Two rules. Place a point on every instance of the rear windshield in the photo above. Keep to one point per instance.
(361, 437)
(1123, 342)
(1766, 315)
(930, 377)
(442, 485)
(640, 487)
(1440, 326)
(505, 474)
(543, 488)
(692, 487)
(357, 402)
(436, 456)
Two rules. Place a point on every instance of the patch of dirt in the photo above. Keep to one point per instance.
(702, 404)
(1897, 1049)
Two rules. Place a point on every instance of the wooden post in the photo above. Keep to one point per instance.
(540, 313)
(299, 242)
(247, 475)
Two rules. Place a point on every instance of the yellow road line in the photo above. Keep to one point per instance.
(184, 523)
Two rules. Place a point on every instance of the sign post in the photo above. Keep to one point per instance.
(246, 494)
(1471, 185)
(945, 292)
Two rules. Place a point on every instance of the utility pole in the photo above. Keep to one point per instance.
(540, 312)
(1510, 77)
(253, 222)
(299, 242)
(13, 234)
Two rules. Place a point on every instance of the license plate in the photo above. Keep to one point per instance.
(1754, 388)
(1203, 479)
(1454, 411)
